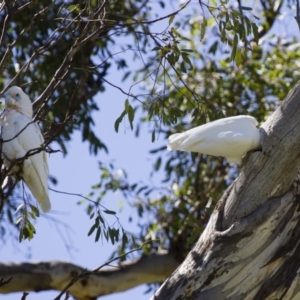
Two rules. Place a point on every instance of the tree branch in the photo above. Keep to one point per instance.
(56, 275)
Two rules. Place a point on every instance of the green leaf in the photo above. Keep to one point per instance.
(246, 8)
(223, 36)
(176, 33)
(97, 221)
(126, 104)
(126, 75)
(236, 14)
(130, 112)
(171, 58)
(109, 212)
(23, 234)
(186, 58)
(234, 47)
(32, 215)
(30, 228)
(18, 220)
(10, 217)
(92, 215)
(248, 25)
(35, 210)
(105, 232)
(157, 164)
(72, 7)
(119, 120)
(134, 241)
(238, 57)
(124, 239)
(255, 32)
(171, 19)
(92, 229)
(153, 136)
(101, 220)
(187, 50)
(117, 235)
(182, 67)
(111, 235)
(203, 29)
(98, 234)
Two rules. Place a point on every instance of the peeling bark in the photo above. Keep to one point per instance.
(56, 275)
(250, 248)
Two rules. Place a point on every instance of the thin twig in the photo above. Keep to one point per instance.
(164, 17)
(297, 17)
(24, 296)
(6, 281)
(84, 274)
(81, 196)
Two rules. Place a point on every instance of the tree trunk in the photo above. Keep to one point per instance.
(250, 248)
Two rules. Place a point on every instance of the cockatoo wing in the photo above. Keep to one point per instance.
(35, 168)
(23, 135)
(230, 137)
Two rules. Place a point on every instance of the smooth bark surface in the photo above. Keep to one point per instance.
(56, 275)
(250, 247)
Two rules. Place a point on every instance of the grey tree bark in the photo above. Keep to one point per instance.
(250, 248)
(56, 275)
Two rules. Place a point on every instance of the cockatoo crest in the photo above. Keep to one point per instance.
(230, 137)
(20, 135)
(16, 99)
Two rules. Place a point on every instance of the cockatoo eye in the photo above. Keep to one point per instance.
(17, 96)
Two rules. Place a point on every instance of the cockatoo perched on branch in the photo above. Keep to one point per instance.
(230, 137)
(20, 135)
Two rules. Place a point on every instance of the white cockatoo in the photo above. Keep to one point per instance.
(20, 135)
(230, 137)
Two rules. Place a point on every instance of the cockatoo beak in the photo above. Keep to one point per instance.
(9, 100)
(11, 103)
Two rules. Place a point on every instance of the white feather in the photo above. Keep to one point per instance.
(20, 135)
(230, 137)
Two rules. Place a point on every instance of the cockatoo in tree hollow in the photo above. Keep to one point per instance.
(230, 137)
(20, 135)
